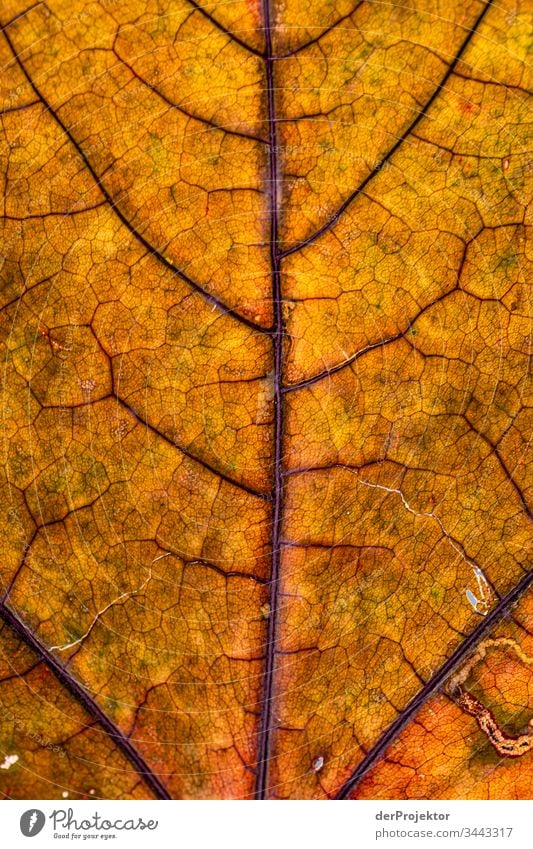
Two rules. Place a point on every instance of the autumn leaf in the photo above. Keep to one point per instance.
(265, 327)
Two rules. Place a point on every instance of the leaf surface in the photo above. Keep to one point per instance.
(266, 400)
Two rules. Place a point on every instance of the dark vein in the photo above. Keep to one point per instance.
(324, 32)
(212, 299)
(510, 86)
(189, 454)
(23, 561)
(227, 32)
(83, 697)
(68, 213)
(9, 109)
(422, 114)
(265, 727)
(315, 378)
(383, 343)
(24, 12)
(439, 678)
(505, 468)
(201, 120)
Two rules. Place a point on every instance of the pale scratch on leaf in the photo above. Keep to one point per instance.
(473, 601)
(482, 582)
(480, 605)
(100, 613)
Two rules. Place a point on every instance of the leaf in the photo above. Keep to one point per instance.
(265, 327)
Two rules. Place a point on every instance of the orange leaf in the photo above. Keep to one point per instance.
(265, 333)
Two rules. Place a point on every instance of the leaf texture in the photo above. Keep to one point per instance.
(266, 400)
